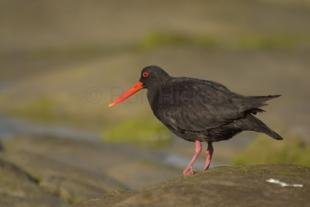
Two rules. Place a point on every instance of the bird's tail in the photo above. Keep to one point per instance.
(254, 124)
(259, 101)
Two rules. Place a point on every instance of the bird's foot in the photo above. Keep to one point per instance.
(209, 154)
(206, 167)
(188, 171)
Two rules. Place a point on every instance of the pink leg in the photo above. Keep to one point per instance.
(189, 168)
(209, 154)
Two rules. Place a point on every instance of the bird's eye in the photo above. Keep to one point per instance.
(145, 74)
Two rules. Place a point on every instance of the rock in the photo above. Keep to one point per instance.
(49, 171)
(17, 188)
(78, 170)
(221, 186)
(56, 176)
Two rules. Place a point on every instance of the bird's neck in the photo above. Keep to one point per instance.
(153, 96)
(154, 91)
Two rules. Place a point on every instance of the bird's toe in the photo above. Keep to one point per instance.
(188, 171)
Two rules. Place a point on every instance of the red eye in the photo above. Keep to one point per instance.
(145, 74)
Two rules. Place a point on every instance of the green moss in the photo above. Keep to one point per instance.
(157, 39)
(264, 42)
(264, 150)
(269, 42)
(146, 132)
(42, 109)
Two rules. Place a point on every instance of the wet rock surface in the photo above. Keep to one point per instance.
(18, 188)
(50, 171)
(76, 170)
(222, 186)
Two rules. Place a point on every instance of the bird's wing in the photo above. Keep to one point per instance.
(197, 105)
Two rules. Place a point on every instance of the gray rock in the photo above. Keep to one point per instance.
(70, 182)
(77, 170)
(19, 189)
(222, 186)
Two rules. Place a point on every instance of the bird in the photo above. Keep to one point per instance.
(199, 110)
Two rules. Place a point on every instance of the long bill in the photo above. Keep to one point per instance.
(134, 89)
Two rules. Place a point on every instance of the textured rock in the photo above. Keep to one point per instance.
(76, 170)
(60, 172)
(17, 188)
(70, 182)
(222, 186)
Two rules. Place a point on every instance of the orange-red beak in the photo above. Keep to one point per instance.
(134, 89)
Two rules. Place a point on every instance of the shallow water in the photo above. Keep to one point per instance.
(11, 127)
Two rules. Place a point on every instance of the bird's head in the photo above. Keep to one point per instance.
(151, 77)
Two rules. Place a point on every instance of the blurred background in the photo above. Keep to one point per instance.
(62, 62)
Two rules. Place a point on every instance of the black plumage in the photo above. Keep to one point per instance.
(199, 110)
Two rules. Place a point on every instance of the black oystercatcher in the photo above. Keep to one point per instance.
(199, 110)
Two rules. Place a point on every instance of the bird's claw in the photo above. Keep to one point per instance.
(205, 168)
(188, 171)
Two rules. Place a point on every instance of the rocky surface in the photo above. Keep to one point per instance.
(61, 172)
(18, 188)
(222, 186)
(80, 170)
